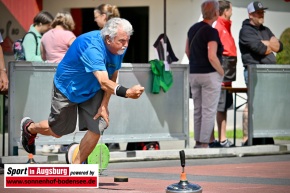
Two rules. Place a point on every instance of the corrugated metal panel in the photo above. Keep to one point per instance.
(153, 117)
(24, 11)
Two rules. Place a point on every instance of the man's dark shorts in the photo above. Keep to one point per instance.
(64, 114)
(225, 101)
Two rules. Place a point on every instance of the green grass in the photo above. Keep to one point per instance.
(239, 135)
(283, 138)
(230, 134)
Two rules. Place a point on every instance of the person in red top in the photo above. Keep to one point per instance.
(223, 25)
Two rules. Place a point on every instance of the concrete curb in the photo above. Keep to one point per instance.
(126, 156)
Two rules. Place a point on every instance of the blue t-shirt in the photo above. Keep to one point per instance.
(74, 75)
(198, 58)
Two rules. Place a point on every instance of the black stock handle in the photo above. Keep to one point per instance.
(182, 157)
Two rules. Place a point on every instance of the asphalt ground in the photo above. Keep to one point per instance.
(251, 174)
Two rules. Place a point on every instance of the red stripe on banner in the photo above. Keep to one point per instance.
(91, 181)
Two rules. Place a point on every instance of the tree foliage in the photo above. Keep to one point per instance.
(284, 56)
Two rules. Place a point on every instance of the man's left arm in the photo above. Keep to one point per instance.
(275, 44)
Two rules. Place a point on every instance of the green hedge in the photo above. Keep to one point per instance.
(284, 56)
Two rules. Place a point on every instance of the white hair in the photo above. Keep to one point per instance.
(113, 25)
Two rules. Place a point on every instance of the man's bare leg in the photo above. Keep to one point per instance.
(221, 118)
(245, 124)
(88, 143)
(41, 128)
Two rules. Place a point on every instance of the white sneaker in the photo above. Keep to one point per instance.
(227, 143)
(46, 149)
(56, 149)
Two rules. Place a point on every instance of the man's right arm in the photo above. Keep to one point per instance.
(109, 86)
(250, 42)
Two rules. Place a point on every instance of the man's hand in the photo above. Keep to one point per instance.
(273, 45)
(103, 112)
(135, 92)
(3, 81)
(274, 40)
(266, 42)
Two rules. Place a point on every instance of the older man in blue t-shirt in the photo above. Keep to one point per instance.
(83, 84)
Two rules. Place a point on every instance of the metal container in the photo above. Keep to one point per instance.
(184, 187)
